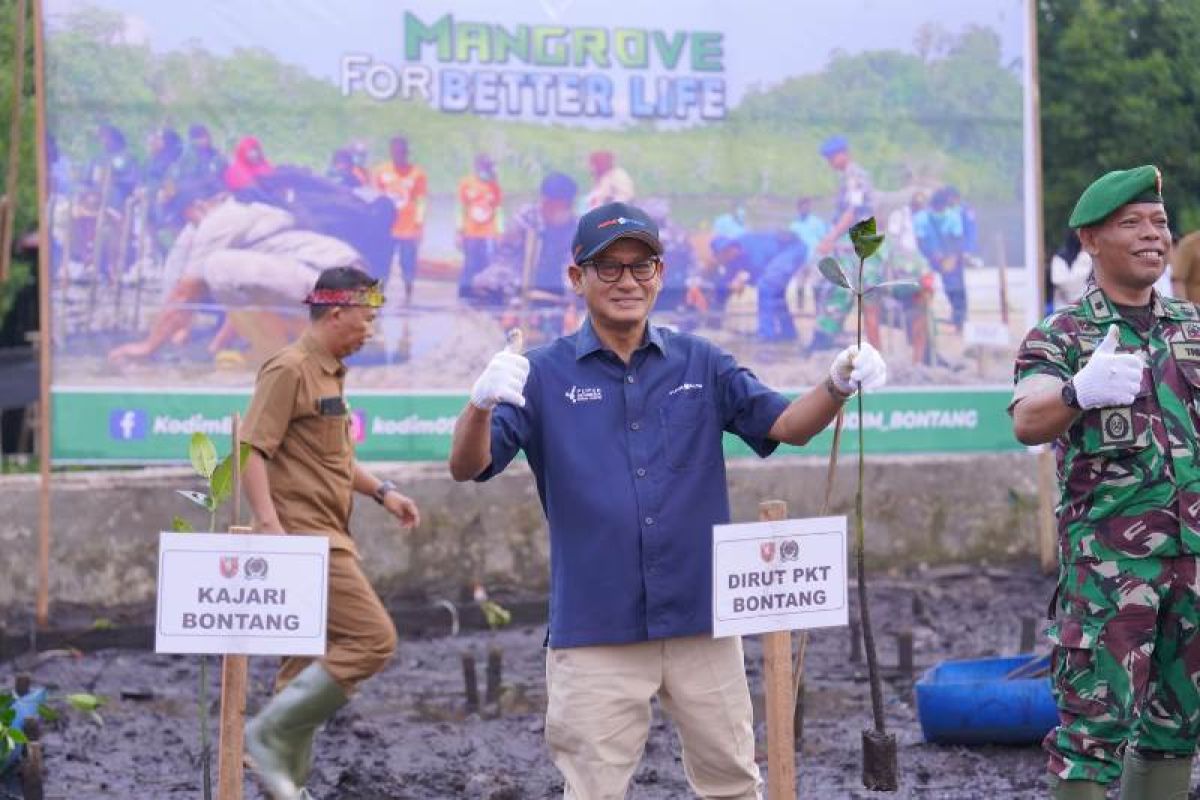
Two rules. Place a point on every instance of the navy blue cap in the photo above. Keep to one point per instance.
(602, 226)
(834, 145)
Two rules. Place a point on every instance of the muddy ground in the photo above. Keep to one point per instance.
(407, 734)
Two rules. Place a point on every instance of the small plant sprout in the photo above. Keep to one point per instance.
(497, 616)
(218, 474)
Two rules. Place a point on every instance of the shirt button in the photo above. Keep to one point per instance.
(629, 379)
(641, 472)
(649, 520)
(635, 426)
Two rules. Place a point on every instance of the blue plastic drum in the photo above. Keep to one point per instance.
(972, 702)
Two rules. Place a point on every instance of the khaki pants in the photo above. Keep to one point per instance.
(598, 714)
(360, 636)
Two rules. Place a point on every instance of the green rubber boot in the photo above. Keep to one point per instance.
(302, 763)
(1077, 790)
(1155, 775)
(276, 738)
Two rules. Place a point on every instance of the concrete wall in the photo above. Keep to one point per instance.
(105, 524)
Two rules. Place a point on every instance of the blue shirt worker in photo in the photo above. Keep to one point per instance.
(621, 423)
(766, 261)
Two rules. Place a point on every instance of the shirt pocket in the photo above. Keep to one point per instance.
(1112, 445)
(691, 436)
(1119, 431)
(332, 434)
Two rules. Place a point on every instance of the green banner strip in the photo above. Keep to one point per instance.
(146, 427)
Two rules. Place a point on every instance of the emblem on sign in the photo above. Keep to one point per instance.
(228, 566)
(256, 568)
(789, 550)
(766, 550)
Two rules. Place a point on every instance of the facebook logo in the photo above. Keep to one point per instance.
(125, 424)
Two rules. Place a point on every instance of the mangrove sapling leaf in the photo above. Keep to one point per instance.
(203, 454)
(865, 238)
(889, 285)
(833, 272)
(16, 736)
(199, 498)
(47, 712)
(497, 616)
(87, 703)
(181, 525)
(220, 483)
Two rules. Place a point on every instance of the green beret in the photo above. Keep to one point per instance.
(1110, 192)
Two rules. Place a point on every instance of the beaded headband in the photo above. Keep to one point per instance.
(368, 296)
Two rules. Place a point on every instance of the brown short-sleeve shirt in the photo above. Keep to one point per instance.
(299, 421)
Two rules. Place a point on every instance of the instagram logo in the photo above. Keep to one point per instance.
(358, 425)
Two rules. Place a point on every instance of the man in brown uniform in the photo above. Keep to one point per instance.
(300, 478)
(1185, 268)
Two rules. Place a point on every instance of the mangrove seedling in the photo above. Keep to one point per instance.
(879, 771)
(219, 478)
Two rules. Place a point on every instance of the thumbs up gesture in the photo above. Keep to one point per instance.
(503, 380)
(1109, 378)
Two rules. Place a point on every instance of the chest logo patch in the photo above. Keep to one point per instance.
(1116, 426)
(1191, 330)
(584, 394)
(686, 387)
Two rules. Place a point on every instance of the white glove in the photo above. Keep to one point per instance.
(502, 381)
(852, 370)
(1109, 378)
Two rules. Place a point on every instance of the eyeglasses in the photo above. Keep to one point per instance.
(610, 271)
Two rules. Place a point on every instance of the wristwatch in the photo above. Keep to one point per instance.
(383, 489)
(1068, 396)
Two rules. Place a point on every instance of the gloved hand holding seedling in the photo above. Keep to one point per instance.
(861, 368)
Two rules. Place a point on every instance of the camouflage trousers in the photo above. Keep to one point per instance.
(1126, 663)
(833, 307)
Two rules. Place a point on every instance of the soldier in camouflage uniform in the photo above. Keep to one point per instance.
(1114, 382)
(855, 201)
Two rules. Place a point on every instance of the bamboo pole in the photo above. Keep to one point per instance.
(9, 221)
(234, 668)
(781, 704)
(46, 339)
(830, 475)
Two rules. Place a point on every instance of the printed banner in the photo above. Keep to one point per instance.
(134, 426)
(208, 161)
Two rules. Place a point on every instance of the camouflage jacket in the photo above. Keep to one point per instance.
(1128, 477)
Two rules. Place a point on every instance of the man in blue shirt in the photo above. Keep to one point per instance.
(810, 229)
(621, 423)
(948, 260)
(767, 261)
